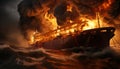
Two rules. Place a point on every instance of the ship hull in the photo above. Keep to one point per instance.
(96, 38)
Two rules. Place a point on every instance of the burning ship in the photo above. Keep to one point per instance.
(96, 38)
(42, 22)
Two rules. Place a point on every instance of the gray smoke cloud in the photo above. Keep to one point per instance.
(9, 28)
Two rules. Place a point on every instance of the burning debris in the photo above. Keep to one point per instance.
(42, 21)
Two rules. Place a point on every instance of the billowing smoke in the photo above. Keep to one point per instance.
(9, 28)
(33, 12)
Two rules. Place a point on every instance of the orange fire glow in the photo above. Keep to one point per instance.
(71, 28)
(69, 8)
(52, 19)
(89, 24)
(106, 4)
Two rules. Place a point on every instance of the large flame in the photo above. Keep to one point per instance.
(71, 26)
(52, 19)
(89, 24)
(94, 23)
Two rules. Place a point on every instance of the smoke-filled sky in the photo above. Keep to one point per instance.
(8, 14)
(9, 17)
(8, 11)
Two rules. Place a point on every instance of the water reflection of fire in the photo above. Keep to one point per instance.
(71, 26)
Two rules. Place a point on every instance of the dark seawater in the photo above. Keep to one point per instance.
(74, 58)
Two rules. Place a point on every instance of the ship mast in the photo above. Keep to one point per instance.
(98, 19)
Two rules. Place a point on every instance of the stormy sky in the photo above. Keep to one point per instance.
(9, 18)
